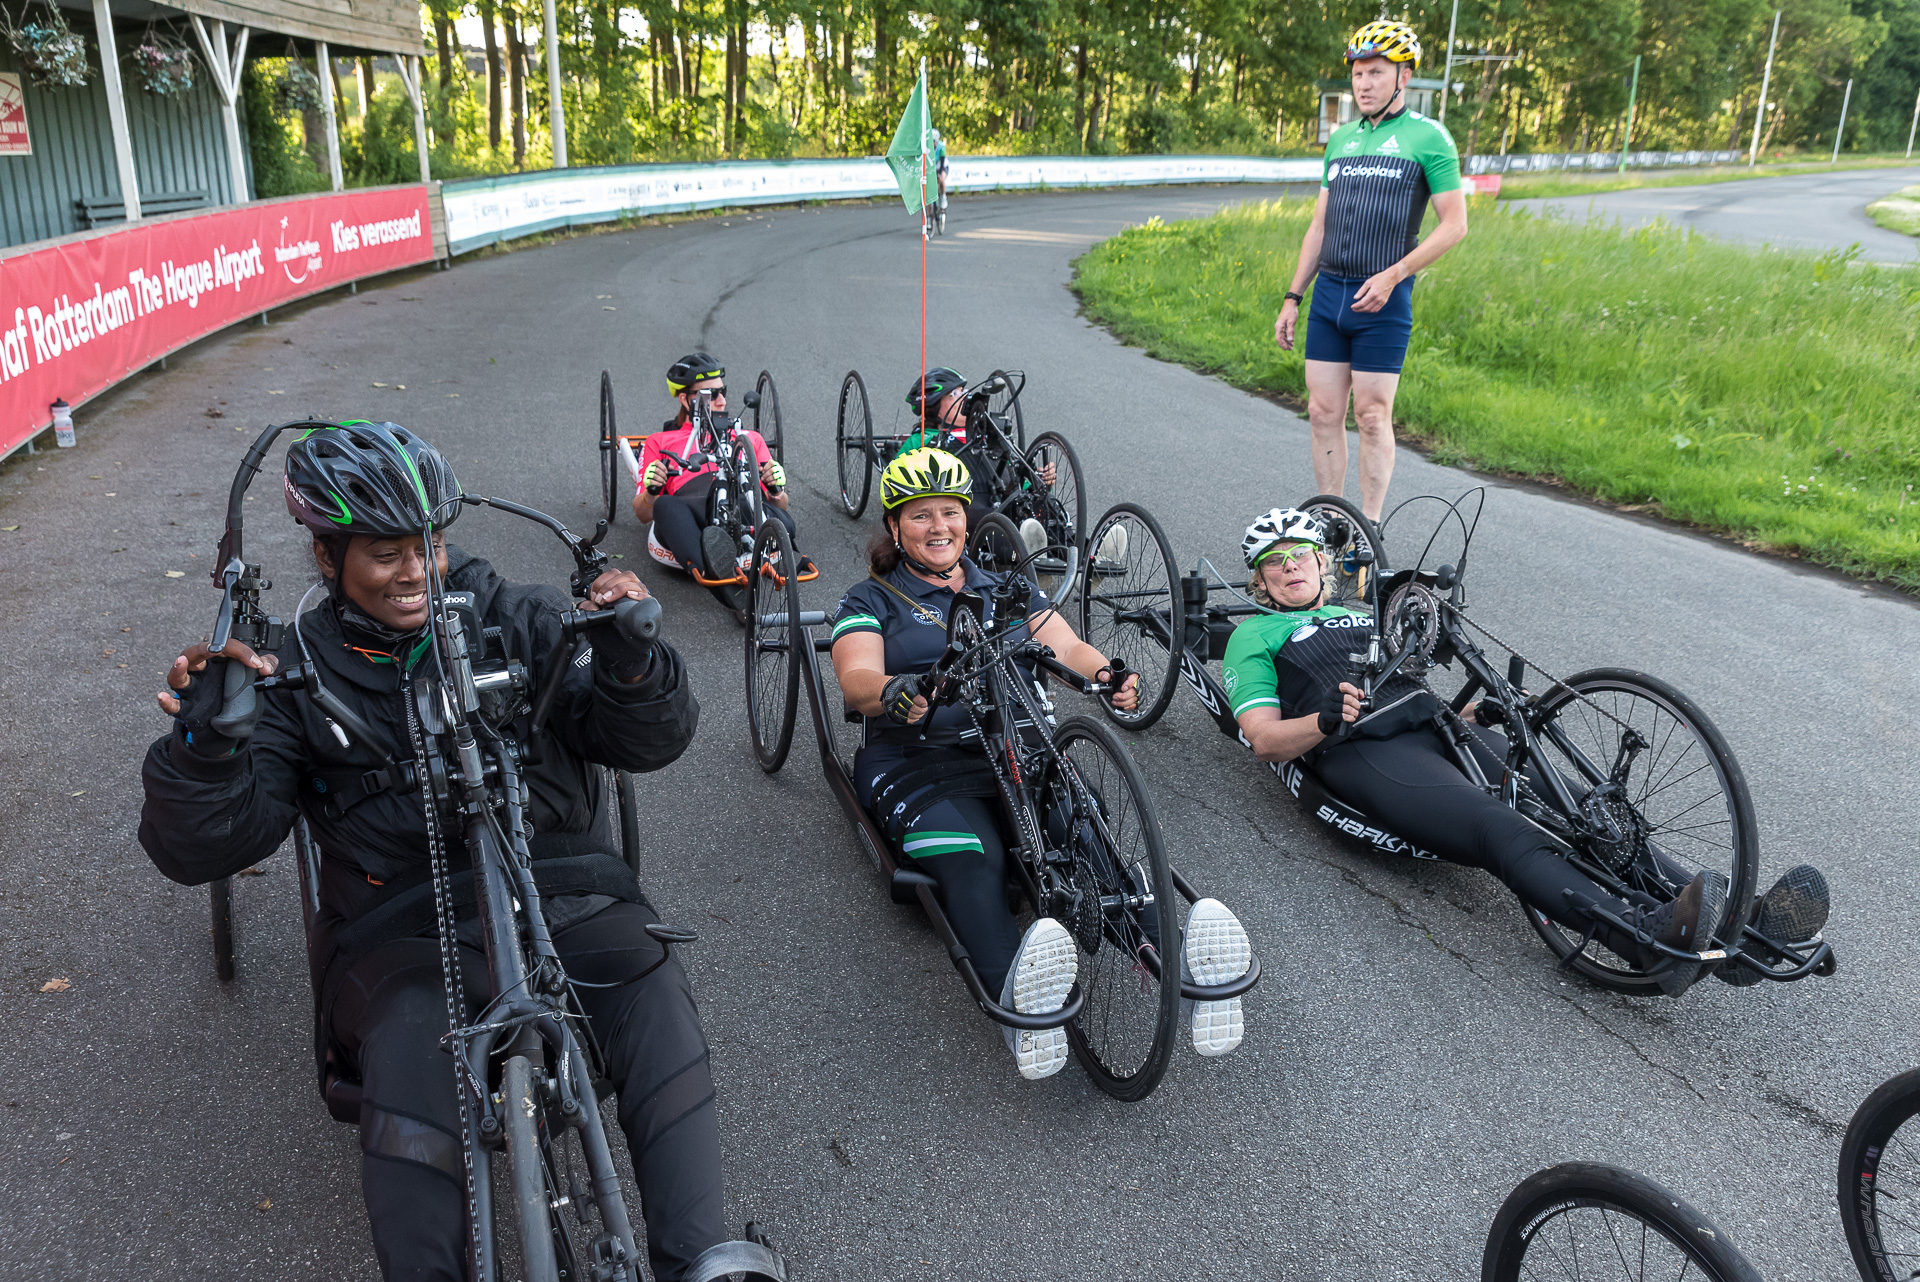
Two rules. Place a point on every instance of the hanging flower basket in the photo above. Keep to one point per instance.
(55, 57)
(163, 67)
(297, 90)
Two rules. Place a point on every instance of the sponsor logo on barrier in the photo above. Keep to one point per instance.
(14, 139)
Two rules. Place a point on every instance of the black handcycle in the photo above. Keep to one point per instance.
(528, 1071)
(1623, 773)
(1086, 836)
(1880, 1182)
(1011, 476)
(1586, 1221)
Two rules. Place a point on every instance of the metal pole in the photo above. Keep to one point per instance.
(1633, 96)
(417, 88)
(1446, 77)
(1915, 125)
(555, 112)
(329, 109)
(1841, 128)
(1766, 80)
(116, 109)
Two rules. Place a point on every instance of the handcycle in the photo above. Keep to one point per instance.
(1584, 1220)
(738, 504)
(1880, 1182)
(1086, 837)
(1012, 482)
(528, 1071)
(1624, 774)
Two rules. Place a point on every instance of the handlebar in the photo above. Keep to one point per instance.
(638, 621)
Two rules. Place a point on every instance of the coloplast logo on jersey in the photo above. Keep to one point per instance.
(1364, 171)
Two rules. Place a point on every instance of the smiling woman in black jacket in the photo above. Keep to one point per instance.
(217, 803)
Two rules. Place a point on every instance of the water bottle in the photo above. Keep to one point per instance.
(62, 424)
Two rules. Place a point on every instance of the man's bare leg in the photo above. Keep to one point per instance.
(1328, 385)
(1373, 413)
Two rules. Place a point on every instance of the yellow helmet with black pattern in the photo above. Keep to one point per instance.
(923, 474)
(1394, 41)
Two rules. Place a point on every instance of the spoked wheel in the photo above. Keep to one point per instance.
(1880, 1182)
(220, 895)
(1587, 1221)
(1356, 555)
(1005, 405)
(994, 543)
(766, 416)
(610, 468)
(853, 444)
(1121, 914)
(1060, 509)
(1129, 604)
(1681, 799)
(773, 662)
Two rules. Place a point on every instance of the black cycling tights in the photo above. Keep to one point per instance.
(389, 1016)
(679, 518)
(1409, 786)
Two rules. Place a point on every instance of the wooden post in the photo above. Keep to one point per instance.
(117, 109)
(409, 69)
(329, 111)
(556, 112)
(225, 70)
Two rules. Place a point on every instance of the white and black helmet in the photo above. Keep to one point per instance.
(1281, 525)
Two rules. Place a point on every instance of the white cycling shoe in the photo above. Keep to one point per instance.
(1113, 545)
(1033, 534)
(1038, 982)
(1217, 950)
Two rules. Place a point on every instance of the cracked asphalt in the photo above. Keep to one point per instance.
(1412, 1052)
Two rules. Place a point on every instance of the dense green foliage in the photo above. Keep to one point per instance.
(1769, 395)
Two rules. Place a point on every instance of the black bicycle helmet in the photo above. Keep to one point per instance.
(377, 479)
(927, 390)
(693, 368)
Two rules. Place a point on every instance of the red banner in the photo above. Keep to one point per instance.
(80, 315)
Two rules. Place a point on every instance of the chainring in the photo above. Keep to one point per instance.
(1412, 621)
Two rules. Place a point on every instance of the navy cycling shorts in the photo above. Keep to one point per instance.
(1371, 342)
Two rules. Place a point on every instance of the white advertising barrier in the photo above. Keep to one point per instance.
(481, 211)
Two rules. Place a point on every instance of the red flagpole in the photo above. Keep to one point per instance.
(923, 265)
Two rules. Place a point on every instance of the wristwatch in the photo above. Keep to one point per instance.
(1295, 298)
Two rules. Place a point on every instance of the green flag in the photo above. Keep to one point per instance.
(910, 154)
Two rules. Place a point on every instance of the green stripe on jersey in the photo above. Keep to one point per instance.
(855, 621)
(919, 845)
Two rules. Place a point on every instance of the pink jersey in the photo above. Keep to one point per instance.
(675, 439)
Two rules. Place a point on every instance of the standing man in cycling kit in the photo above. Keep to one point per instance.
(1379, 174)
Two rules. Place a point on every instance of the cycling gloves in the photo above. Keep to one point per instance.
(774, 475)
(897, 696)
(202, 701)
(654, 479)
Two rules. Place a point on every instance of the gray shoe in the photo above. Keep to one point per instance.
(1793, 912)
(1686, 922)
(721, 556)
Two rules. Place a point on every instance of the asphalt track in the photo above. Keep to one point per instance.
(1799, 211)
(1412, 1052)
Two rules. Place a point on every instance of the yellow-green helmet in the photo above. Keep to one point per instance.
(924, 474)
(1394, 41)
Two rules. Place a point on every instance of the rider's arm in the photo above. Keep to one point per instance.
(643, 501)
(860, 663)
(1274, 737)
(763, 456)
(1058, 635)
(1451, 209)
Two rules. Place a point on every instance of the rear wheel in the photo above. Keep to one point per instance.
(1004, 405)
(1356, 556)
(1061, 510)
(609, 449)
(1582, 1220)
(1129, 602)
(773, 663)
(1121, 912)
(1681, 799)
(853, 444)
(994, 543)
(1880, 1182)
(766, 416)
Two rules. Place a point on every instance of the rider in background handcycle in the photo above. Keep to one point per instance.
(939, 397)
(217, 803)
(1285, 673)
(680, 502)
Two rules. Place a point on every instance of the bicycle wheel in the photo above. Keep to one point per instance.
(1061, 511)
(1129, 602)
(853, 443)
(994, 543)
(773, 665)
(1129, 956)
(1684, 803)
(1005, 405)
(609, 449)
(1582, 1220)
(220, 895)
(1356, 555)
(1880, 1182)
(766, 416)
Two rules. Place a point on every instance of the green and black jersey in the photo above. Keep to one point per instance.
(1293, 660)
(1378, 179)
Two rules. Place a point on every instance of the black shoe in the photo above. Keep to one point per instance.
(1686, 922)
(1793, 912)
(721, 555)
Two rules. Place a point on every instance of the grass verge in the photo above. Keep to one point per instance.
(1770, 396)
(1546, 185)
(1899, 212)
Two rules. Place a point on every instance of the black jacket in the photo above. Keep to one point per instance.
(209, 817)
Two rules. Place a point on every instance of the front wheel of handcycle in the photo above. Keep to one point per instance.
(766, 416)
(1583, 1220)
(1880, 1182)
(773, 631)
(610, 468)
(1130, 606)
(853, 444)
(1681, 800)
(993, 543)
(1095, 803)
(1061, 511)
(1356, 554)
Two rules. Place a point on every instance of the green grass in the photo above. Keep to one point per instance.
(1546, 185)
(1899, 212)
(1771, 396)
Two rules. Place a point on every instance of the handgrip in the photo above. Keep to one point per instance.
(236, 698)
(638, 621)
